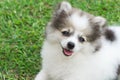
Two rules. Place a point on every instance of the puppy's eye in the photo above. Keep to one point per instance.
(81, 39)
(66, 33)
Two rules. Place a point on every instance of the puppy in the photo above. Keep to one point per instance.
(79, 46)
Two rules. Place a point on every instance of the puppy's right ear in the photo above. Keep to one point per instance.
(63, 7)
(99, 23)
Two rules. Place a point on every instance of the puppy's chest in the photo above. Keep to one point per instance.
(83, 70)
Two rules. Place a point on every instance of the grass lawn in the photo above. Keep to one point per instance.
(22, 24)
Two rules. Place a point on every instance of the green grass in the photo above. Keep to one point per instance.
(22, 24)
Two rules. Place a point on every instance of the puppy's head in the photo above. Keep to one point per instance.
(74, 30)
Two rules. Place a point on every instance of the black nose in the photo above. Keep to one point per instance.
(70, 45)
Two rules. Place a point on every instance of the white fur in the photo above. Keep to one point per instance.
(79, 22)
(83, 64)
(99, 66)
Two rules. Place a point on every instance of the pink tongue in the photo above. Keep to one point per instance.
(67, 52)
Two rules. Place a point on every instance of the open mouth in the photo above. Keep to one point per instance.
(67, 52)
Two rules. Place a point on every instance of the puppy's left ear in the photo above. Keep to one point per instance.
(63, 7)
(99, 23)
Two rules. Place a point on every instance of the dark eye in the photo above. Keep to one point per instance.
(66, 33)
(81, 39)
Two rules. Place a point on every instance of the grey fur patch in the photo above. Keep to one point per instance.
(118, 73)
(98, 25)
(97, 48)
(118, 70)
(60, 17)
(95, 34)
(109, 35)
(59, 21)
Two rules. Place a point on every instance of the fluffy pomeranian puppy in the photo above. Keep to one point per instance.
(79, 46)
